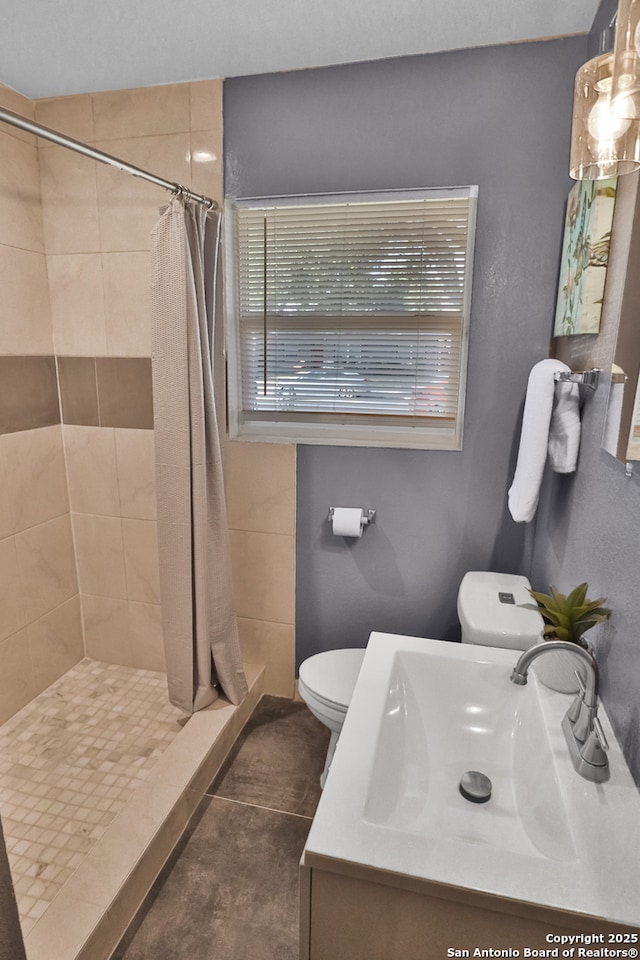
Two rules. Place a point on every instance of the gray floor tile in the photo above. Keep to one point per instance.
(277, 760)
(230, 888)
(230, 893)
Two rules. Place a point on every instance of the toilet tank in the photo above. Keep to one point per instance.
(496, 610)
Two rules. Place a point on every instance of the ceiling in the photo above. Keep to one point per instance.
(58, 47)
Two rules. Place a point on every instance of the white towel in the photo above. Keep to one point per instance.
(535, 437)
(564, 432)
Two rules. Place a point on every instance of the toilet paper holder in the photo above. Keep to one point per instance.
(368, 516)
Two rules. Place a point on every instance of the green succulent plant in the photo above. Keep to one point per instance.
(568, 617)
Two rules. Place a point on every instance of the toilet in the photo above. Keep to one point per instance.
(325, 683)
(495, 610)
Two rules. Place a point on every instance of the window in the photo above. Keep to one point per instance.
(347, 317)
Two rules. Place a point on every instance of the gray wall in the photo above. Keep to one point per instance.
(588, 528)
(497, 117)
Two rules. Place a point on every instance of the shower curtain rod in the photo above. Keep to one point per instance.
(7, 116)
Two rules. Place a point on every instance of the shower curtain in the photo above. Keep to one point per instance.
(202, 649)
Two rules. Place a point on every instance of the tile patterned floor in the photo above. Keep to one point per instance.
(69, 761)
(230, 889)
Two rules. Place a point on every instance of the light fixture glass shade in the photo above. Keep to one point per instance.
(625, 90)
(602, 144)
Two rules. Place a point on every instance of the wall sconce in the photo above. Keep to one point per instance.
(605, 136)
(625, 88)
(603, 144)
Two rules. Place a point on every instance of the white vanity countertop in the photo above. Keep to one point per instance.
(593, 869)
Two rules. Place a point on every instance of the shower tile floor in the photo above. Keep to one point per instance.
(230, 888)
(69, 761)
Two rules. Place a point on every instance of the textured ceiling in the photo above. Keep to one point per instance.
(57, 47)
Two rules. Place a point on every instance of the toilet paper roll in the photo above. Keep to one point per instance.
(347, 522)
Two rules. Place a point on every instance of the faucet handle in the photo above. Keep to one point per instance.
(574, 710)
(594, 750)
(599, 732)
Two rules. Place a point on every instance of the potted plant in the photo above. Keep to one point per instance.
(566, 618)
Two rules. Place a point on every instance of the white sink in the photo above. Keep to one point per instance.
(446, 714)
(423, 713)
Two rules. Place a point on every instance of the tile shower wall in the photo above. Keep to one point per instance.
(96, 225)
(260, 486)
(40, 624)
(97, 239)
(75, 275)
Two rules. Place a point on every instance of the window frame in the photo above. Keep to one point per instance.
(279, 429)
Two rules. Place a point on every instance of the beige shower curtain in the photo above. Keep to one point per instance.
(201, 643)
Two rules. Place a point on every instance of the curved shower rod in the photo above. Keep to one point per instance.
(7, 116)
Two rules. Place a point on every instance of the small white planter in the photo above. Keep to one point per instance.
(557, 670)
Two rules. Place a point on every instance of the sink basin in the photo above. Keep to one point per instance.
(486, 726)
(423, 713)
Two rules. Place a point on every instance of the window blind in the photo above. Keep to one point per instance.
(353, 311)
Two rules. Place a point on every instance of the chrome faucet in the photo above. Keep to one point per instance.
(582, 729)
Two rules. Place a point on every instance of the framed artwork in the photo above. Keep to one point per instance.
(585, 255)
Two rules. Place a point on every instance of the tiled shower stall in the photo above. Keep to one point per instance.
(78, 548)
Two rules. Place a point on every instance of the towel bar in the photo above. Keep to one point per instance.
(587, 378)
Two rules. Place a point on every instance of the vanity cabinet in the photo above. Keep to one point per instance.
(348, 912)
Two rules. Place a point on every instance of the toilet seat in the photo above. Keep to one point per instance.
(331, 676)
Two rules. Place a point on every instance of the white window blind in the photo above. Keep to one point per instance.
(350, 316)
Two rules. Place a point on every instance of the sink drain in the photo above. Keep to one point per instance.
(475, 786)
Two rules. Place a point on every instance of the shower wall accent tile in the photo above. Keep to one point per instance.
(135, 456)
(55, 643)
(125, 396)
(25, 317)
(21, 221)
(100, 555)
(78, 390)
(77, 306)
(70, 217)
(141, 112)
(140, 538)
(127, 303)
(35, 476)
(28, 393)
(92, 391)
(91, 469)
(47, 565)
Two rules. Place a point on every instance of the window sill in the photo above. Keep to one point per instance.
(412, 438)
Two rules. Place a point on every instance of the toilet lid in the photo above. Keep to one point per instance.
(332, 675)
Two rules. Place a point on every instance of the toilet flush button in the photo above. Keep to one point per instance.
(475, 786)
